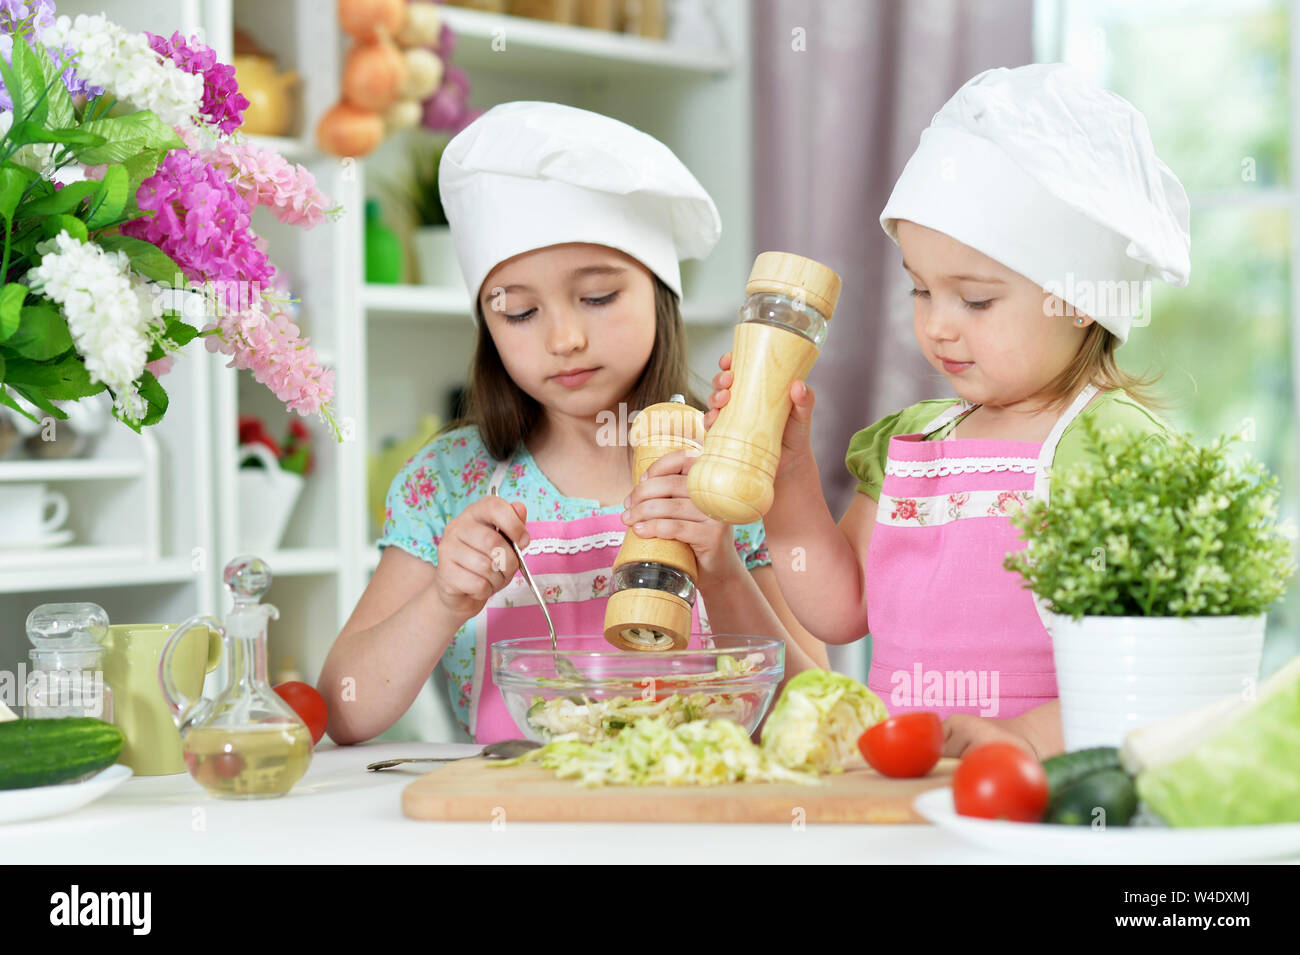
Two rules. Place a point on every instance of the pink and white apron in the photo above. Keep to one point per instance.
(572, 563)
(952, 630)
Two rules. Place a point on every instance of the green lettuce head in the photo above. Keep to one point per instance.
(1247, 773)
(816, 723)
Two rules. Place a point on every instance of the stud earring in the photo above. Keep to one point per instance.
(1078, 321)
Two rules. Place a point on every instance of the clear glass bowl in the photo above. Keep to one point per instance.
(729, 677)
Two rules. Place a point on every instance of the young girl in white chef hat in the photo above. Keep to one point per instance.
(1030, 218)
(568, 226)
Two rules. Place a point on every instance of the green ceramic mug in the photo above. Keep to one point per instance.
(131, 654)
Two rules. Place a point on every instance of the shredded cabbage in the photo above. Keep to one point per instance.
(651, 752)
(587, 720)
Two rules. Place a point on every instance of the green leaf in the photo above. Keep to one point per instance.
(111, 201)
(11, 304)
(153, 393)
(42, 334)
(13, 180)
(140, 167)
(149, 260)
(62, 380)
(65, 200)
(5, 398)
(37, 397)
(180, 332)
(23, 80)
(56, 224)
(33, 81)
(126, 136)
(61, 112)
(33, 132)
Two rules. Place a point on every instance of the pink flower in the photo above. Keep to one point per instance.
(223, 105)
(279, 359)
(202, 222)
(161, 366)
(265, 178)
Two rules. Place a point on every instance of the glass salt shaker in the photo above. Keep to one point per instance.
(67, 653)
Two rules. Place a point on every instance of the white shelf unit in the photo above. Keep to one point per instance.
(397, 351)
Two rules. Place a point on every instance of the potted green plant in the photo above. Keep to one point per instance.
(1155, 564)
(435, 256)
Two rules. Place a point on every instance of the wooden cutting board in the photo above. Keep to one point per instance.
(471, 790)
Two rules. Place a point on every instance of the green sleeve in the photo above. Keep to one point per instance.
(869, 448)
(1113, 410)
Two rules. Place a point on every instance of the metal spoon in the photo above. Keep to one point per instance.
(503, 749)
(563, 666)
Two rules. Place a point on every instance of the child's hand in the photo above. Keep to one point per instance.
(474, 560)
(796, 447)
(964, 731)
(661, 506)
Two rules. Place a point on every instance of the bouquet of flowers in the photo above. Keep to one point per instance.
(124, 184)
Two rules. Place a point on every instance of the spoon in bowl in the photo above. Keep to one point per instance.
(563, 666)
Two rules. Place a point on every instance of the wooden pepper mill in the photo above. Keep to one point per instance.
(783, 323)
(654, 580)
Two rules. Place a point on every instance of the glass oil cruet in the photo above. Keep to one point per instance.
(247, 743)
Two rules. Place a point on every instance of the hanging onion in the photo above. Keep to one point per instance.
(373, 75)
(361, 19)
(423, 74)
(422, 27)
(346, 130)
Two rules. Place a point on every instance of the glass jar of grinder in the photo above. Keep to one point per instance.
(654, 580)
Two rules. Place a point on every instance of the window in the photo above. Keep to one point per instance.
(1214, 80)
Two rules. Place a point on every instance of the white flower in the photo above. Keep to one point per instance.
(108, 312)
(126, 67)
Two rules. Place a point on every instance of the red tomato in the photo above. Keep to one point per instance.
(227, 765)
(1000, 781)
(308, 704)
(903, 746)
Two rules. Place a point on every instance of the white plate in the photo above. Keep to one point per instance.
(56, 539)
(1154, 844)
(37, 802)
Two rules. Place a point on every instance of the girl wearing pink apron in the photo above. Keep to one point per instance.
(952, 630)
(572, 563)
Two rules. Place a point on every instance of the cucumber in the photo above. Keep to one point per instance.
(1069, 768)
(45, 752)
(1110, 790)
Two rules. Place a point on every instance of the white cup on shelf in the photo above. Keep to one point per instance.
(30, 513)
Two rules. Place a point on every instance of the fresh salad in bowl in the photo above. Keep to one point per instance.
(727, 678)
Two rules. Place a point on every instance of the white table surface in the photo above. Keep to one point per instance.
(340, 813)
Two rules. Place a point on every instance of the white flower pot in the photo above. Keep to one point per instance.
(267, 496)
(435, 257)
(1115, 674)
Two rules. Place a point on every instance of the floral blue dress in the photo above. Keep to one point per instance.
(442, 479)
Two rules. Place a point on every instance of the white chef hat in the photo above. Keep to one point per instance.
(1057, 179)
(527, 175)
